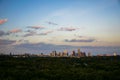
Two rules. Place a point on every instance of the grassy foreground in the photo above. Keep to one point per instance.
(49, 68)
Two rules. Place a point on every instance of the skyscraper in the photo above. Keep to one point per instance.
(65, 53)
(89, 54)
(79, 53)
(73, 53)
(115, 54)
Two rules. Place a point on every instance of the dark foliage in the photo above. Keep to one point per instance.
(49, 68)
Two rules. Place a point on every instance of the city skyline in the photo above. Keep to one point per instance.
(30, 25)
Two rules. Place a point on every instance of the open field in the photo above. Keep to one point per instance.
(59, 68)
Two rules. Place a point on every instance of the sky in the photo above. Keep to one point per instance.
(38, 24)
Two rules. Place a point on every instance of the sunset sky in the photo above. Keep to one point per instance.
(38, 23)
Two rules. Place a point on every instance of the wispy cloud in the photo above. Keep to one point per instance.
(41, 47)
(2, 33)
(82, 36)
(67, 29)
(30, 33)
(6, 42)
(45, 33)
(36, 27)
(80, 40)
(22, 40)
(51, 23)
(47, 48)
(15, 30)
(85, 37)
(2, 21)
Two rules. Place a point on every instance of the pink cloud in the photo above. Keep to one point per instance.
(15, 30)
(2, 21)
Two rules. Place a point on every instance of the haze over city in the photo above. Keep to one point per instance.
(40, 25)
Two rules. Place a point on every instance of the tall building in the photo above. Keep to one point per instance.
(60, 54)
(73, 53)
(50, 54)
(65, 53)
(83, 54)
(79, 53)
(54, 53)
(89, 54)
(115, 54)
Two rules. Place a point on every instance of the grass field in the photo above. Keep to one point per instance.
(54, 68)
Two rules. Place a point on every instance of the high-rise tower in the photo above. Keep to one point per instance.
(79, 53)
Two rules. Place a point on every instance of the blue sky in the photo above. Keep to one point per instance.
(60, 22)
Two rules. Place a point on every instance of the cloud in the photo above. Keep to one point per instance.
(45, 33)
(67, 29)
(6, 42)
(80, 40)
(36, 27)
(21, 41)
(2, 33)
(2, 21)
(40, 47)
(82, 37)
(27, 47)
(15, 31)
(30, 33)
(35, 47)
(85, 37)
(51, 23)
